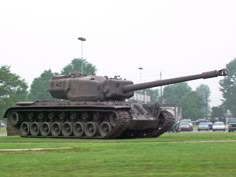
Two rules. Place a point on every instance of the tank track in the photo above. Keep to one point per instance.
(167, 125)
(90, 123)
(166, 122)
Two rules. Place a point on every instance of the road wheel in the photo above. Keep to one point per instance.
(67, 129)
(105, 128)
(78, 129)
(45, 129)
(24, 129)
(91, 129)
(56, 129)
(34, 129)
(113, 119)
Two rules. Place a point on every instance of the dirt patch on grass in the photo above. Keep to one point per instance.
(34, 149)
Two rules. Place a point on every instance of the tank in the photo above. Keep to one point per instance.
(95, 107)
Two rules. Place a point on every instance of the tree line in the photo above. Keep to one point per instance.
(194, 103)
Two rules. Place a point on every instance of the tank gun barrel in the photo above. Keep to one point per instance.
(157, 83)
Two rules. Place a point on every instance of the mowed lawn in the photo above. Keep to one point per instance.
(172, 154)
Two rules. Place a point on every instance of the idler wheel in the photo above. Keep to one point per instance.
(67, 129)
(34, 129)
(104, 128)
(113, 119)
(24, 129)
(78, 129)
(14, 118)
(45, 129)
(91, 129)
(56, 129)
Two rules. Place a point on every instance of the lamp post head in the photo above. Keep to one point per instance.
(140, 68)
(81, 38)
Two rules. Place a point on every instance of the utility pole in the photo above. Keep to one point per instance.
(140, 68)
(82, 39)
(161, 89)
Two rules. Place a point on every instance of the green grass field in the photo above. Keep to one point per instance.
(173, 154)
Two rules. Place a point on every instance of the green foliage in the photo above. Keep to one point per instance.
(228, 88)
(75, 66)
(204, 92)
(174, 93)
(12, 89)
(192, 105)
(39, 87)
(217, 112)
(154, 94)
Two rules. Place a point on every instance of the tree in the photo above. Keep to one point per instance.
(39, 86)
(192, 105)
(154, 95)
(228, 88)
(174, 93)
(217, 111)
(75, 66)
(181, 94)
(12, 89)
(204, 92)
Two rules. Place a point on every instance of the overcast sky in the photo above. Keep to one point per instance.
(177, 37)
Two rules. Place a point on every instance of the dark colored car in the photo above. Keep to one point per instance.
(203, 126)
(198, 121)
(210, 125)
(184, 126)
(231, 124)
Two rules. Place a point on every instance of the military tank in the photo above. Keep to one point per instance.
(95, 107)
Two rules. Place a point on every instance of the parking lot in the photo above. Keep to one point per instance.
(195, 129)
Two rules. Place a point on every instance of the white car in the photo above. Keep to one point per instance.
(218, 126)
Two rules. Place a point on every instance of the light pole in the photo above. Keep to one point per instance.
(82, 39)
(140, 68)
(161, 89)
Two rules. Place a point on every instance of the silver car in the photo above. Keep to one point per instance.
(203, 126)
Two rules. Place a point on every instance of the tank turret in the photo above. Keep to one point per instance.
(77, 87)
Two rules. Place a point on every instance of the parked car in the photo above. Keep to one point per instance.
(210, 125)
(200, 120)
(187, 120)
(218, 126)
(203, 126)
(231, 124)
(2, 124)
(185, 126)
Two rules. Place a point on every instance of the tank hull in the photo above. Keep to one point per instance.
(88, 119)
